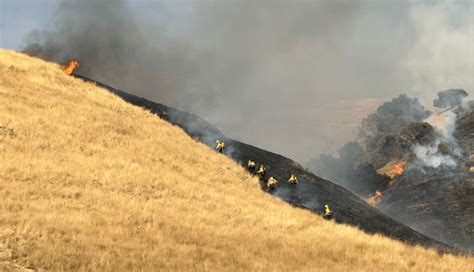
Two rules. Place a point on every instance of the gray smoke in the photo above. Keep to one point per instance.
(444, 122)
(112, 46)
(261, 71)
(384, 135)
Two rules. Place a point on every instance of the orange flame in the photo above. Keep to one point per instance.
(393, 169)
(70, 66)
(375, 198)
(398, 169)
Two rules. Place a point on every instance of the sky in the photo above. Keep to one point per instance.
(19, 17)
(294, 77)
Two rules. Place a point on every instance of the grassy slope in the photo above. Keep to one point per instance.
(90, 182)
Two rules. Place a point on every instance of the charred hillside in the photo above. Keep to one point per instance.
(414, 165)
(439, 202)
(310, 193)
(440, 206)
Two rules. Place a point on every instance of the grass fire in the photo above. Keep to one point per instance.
(70, 67)
(392, 169)
(160, 135)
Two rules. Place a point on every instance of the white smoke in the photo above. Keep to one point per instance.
(429, 156)
(444, 124)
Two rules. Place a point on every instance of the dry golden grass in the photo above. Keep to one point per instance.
(89, 182)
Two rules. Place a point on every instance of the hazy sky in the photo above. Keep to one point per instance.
(294, 77)
(19, 17)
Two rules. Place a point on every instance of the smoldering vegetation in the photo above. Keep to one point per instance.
(401, 129)
(432, 192)
(385, 135)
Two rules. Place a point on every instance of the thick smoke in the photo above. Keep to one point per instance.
(111, 46)
(269, 73)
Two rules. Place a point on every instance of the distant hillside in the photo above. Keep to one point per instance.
(90, 182)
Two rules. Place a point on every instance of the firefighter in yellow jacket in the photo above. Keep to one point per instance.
(251, 166)
(327, 212)
(293, 180)
(261, 171)
(220, 146)
(271, 183)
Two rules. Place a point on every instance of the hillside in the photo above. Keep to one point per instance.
(414, 165)
(312, 191)
(439, 203)
(88, 181)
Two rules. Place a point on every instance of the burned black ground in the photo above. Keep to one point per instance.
(439, 202)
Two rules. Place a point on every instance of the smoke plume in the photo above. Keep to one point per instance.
(445, 148)
(268, 73)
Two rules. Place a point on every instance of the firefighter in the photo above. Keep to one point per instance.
(293, 180)
(220, 146)
(327, 212)
(251, 166)
(261, 172)
(271, 183)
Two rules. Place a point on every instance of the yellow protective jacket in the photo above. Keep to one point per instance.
(271, 182)
(261, 170)
(220, 145)
(327, 210)
(293, 179)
